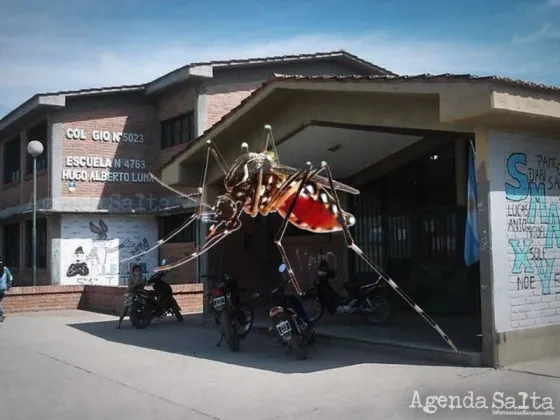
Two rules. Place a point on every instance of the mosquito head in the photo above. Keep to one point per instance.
(225, 207)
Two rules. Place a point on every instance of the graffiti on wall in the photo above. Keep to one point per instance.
(532, 192)
(92, 248)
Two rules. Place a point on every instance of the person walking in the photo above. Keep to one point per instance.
(135, 282)
(6, 280)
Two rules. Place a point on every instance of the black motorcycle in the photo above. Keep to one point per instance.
(234, 318)
(367, 300)
(145, 305)
(287, 317)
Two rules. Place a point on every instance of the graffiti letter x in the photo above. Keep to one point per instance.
(521, 259)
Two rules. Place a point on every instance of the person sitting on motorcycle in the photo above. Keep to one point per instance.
(135, 282)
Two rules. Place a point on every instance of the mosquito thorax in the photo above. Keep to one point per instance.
(243, 173)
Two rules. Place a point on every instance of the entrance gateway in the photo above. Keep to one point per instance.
(410, 218)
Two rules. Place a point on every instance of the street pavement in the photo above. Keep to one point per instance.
(74, 365)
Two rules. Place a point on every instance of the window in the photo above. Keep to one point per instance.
(12, 160)
(169, 224)
(11, 245)
(176, 131)
(41, 242)
(39, 133)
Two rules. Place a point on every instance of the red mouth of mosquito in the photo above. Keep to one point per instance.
(212, 231)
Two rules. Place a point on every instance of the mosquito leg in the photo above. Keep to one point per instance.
(198, 211)
(230, 227)
(182, 194)
(191, 219)
(303, 177)
(352, 245)
(212, 148)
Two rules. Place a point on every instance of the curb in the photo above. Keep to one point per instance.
(409, 350)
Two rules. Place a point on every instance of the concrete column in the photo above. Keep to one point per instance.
(55, 162)
(483, 170)
(200, 126)
(200, 112)
(55, 241)
(209, 262)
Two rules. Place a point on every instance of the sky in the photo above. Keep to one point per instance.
(51, 45)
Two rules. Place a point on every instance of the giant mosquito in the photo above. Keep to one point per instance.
(256, 184)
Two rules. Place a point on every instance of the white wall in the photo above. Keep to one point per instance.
(524, 202)
(103, 249)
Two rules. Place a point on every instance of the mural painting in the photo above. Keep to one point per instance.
(532, 191)
(93, 247)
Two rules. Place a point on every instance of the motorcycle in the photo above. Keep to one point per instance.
(285, 311)
(366, 300)
(234, 318)
(145, 305)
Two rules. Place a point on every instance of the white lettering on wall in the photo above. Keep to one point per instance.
(75, 134)
(97, 162)
(105, 136)
(105, 176)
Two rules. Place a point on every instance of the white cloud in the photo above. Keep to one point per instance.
(546, 32)
(50, 62)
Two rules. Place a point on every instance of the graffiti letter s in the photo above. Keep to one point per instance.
(519, 192)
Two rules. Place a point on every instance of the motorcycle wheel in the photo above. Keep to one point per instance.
(313, 308)
(230, 330)
(246, 323)
(381, 310)
(297, 343)
(138, 319)
(177, 311)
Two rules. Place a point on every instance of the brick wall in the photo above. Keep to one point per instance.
(175, 251)
(228, 88)
(525, 230)
(221, 99)
(106, 299)
(125, 114)
(42, 298)
(110, 299)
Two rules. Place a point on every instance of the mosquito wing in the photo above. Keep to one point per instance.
(321, 180)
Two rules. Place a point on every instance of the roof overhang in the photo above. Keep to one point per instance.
(194, 73)
(33, 104)
(463, 101)
(205, 70)
(57, 100)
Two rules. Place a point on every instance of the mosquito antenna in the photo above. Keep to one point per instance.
(218, 155)
(270, 138)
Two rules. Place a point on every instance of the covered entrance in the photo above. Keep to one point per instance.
(387, 140)
(410, 219)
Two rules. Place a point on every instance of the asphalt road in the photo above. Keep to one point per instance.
(75, 365)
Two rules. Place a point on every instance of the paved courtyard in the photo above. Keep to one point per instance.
(75, 365)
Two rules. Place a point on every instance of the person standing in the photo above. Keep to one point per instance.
(135, 282)
(6, 280)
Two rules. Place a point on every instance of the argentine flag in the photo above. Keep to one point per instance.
(471, 226)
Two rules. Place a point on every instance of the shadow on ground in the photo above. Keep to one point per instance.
(258, 350)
